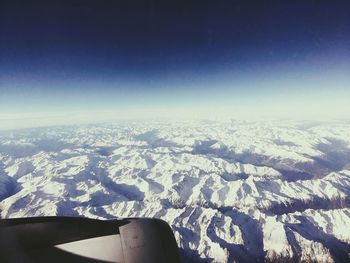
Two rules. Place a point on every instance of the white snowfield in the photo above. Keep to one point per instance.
(232, 191)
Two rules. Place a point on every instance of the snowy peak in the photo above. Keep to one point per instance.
(231, 191)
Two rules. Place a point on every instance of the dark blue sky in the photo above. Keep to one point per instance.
(57, 55)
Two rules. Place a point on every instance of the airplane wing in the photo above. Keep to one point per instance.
(73, 239)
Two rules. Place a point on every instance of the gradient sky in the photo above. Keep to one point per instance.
(58, 56)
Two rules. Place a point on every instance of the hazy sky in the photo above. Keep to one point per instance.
(61, 56)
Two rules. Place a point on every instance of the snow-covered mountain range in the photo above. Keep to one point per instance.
(241, 191)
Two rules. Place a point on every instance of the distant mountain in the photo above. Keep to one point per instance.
(239, 191)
